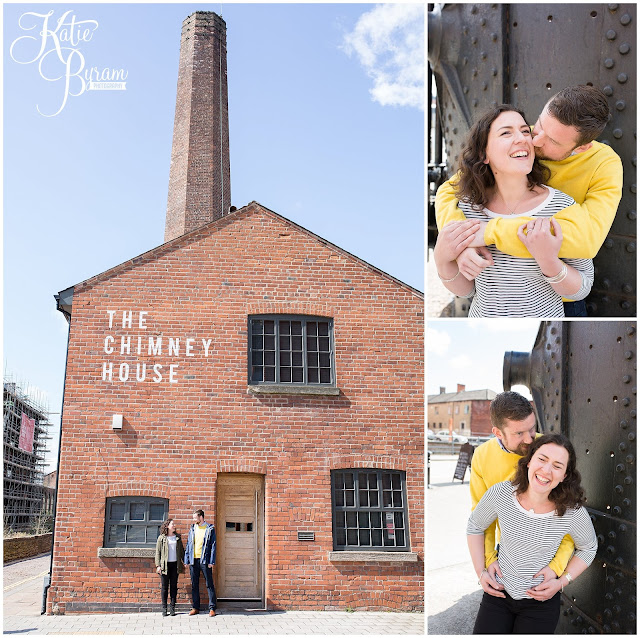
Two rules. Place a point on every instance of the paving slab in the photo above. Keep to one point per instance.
(22, 603)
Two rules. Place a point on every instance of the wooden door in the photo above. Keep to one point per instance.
(240, 529)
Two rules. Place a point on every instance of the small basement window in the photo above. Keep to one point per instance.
(134, 521)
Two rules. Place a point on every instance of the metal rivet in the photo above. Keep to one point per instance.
(474, 102)
(628, 355)
(611, 34)
(484, 86)
(617, 133)
(620, 467)
(617, 510)
(609, 63)
(631, 247)
(631, 330)
(494, 37)
(455, 131)
(632, 215)
(606, 284)
(625, 305)
(624, 48)
(620, 104)
(465, 60)
(622, 528)
(633, 188)
(622, 78)
(608, 90)
(619, 490)
(465, 30)
(626, 401)
(494, 71)
(612, 7)
(626, 378)
(474, 40)
(483, 55)
(474, 9)
(465, 89)
(474, 73)
(625, 19)
(627, 289)
(608, 243)
(483, 22)
(628, 480)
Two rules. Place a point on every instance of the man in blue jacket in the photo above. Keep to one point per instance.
(200, 555)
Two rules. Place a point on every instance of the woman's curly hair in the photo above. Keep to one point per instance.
(569, 492)
(164, 528)
(475, 178)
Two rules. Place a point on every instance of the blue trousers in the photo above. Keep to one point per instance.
(575, 308)
(195, 570)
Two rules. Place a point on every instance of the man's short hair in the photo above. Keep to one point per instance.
(509, 406)
(199, 513)
(583, 107)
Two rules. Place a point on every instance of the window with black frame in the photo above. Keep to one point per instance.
(369, 510)
(134, 521)
(294, 350)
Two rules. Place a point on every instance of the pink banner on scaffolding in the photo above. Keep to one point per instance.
(27, 427)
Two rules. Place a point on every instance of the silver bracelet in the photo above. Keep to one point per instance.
(556, 279)
(480, 578)
(446, 281)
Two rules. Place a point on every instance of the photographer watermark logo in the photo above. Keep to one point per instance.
(54, 45)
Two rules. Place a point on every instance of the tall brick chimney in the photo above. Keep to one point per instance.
(460, 388)
(199, 179)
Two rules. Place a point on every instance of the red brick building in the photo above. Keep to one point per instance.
(252, 369)
(466, 410)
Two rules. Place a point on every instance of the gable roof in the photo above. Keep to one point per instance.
(64, 298)
(467, 395)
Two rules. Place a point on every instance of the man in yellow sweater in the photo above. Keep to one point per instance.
(514, 426)
(588, 171)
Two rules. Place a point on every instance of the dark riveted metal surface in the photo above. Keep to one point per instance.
(523, 54)
(595, 406)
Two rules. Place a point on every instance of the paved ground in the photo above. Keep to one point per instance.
(439, 299)
(22, 602)
(453, 593)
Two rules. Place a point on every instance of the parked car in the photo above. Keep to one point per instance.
(443, 435)
(431, 436)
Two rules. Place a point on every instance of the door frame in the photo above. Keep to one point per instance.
(228, 478)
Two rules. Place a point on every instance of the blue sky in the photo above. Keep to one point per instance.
(326, 129)
(471, 352)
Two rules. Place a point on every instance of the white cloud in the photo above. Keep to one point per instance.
(461, 362)
(389, 42)
(437, 342)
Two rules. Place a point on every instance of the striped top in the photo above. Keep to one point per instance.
(514, 286)
(529, 541)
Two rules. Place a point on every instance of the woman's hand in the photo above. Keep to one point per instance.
(453, 239)
(546, 590)
(488, 580)
(159, 570)
(472, 261)
(541, 243)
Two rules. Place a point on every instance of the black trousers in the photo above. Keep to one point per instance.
(510, 616)
(170, 583)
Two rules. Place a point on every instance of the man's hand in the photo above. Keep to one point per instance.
(159, 570)
(545, 590)
(454, 238)
(472, 261)
(489, 583)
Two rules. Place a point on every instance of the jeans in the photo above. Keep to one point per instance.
(575, 308)
(195, 570)
(170, 583)
(510, 616)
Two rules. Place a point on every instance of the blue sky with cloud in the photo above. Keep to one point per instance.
(326, 128)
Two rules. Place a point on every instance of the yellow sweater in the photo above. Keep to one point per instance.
(490, 465)
(592, 178)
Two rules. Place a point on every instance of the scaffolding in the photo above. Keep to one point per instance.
(24, 492)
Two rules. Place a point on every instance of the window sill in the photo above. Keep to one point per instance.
(314, 390)
(126, 552)
(374, 557)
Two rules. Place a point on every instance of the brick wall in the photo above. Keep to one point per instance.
(481, 417)
(25, 547)
(178, 436)
(199, 178)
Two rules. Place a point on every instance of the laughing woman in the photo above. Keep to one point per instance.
(499, 176)
(534, 511)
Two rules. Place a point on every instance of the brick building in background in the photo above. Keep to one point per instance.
(467, 410)
(252, 369)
